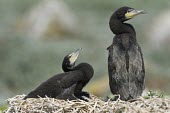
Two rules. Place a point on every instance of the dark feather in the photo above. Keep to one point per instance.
(125, 60)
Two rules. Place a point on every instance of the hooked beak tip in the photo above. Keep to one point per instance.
(141, 12)
(78, 50)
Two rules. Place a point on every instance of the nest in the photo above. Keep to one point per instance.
(94, 105)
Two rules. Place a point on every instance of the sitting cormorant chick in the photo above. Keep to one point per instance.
(125, 61)
(66, 85)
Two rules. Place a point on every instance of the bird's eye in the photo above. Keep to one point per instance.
(129, 10)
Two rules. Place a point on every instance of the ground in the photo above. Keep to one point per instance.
(148, 104)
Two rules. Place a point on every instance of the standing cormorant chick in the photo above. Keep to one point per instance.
(66, 85)
(125, 61)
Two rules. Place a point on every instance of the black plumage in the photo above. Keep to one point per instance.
(125, 60)
(66, 85)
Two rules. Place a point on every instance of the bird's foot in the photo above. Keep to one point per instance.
(86, 94)
(112, 98)
(83, 96)
(132, 100)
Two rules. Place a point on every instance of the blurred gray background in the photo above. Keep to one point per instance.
(35, 36)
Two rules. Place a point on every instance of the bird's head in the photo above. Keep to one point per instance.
(125, 13)
(70, 59)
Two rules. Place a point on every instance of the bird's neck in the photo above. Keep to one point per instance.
(85, 68)
(118, 27)
(65, 68)
(77, 67)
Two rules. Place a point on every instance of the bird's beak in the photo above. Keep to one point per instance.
(74, 56)
(134, 13)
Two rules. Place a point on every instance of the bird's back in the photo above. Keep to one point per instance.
(50, 88)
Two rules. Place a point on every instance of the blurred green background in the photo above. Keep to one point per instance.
(35, 36)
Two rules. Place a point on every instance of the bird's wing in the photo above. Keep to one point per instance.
(122, 81)
(115, 62)
(71, 78)
(136, 65)
(67, 93)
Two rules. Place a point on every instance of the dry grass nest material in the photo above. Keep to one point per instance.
(94, 105)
